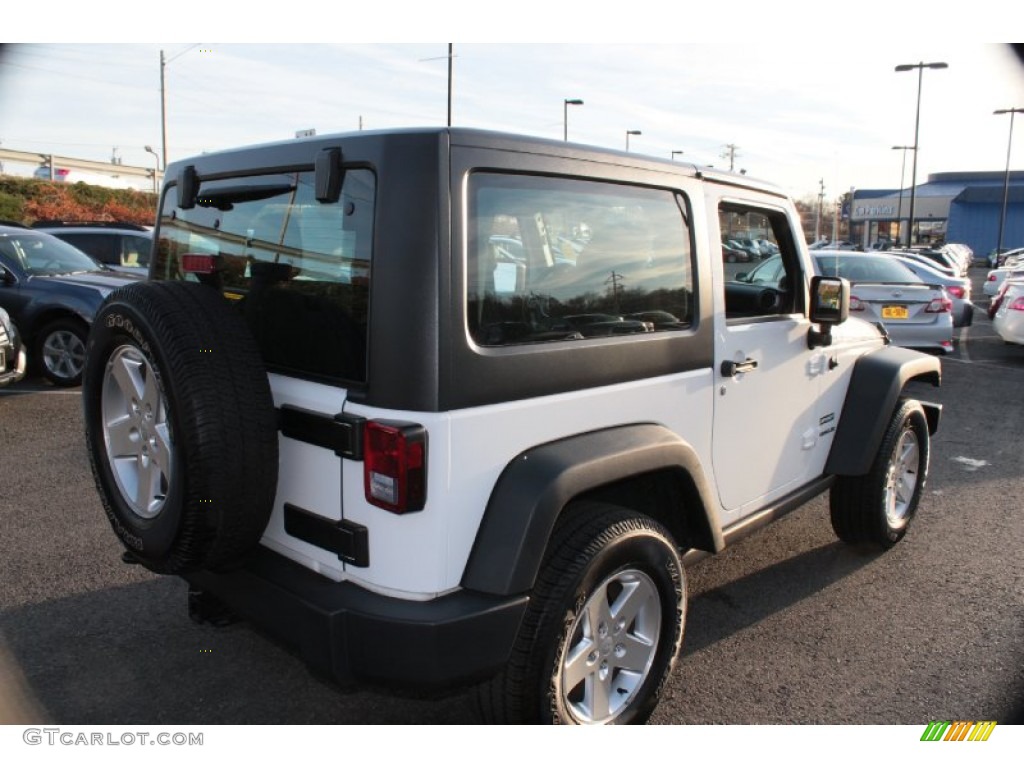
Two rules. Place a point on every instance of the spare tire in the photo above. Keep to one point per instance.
(180, 426)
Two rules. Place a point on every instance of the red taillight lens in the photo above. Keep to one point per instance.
(991, 278)
(955, 291)
(1017, 304)
(395, 466)
(856, 305)
(198, 263)
(937, 306)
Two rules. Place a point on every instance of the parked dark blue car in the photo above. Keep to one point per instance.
(52, 291)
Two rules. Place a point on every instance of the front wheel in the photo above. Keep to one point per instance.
(60, 351)
(604, 625)
(877, 508)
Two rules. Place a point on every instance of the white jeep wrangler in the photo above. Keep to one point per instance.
(439, 407)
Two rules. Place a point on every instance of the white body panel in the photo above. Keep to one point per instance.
(424, 553)
(1009, 323)
(996, 277)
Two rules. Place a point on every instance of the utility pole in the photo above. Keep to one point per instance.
(821, 204)
(730, 154)
(163, 110)
(164, 61)
(616, 283)
(451, 58)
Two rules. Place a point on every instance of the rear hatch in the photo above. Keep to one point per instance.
(298, 270)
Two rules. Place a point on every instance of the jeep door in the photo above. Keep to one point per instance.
(766, 431)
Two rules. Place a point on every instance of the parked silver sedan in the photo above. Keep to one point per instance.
(914, 313)
(957, 288)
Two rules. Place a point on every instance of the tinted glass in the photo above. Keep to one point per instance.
(554, 259)
(297, 269)
(866, 269)
(99, 246)
(772, 287)
(39, 254)
(135, 251)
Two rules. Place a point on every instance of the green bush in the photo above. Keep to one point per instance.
(12, 207)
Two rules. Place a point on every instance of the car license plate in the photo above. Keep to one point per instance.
(895, 312)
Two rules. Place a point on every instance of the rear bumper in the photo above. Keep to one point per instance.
(16, 372)
(352, 635)
(937, 335)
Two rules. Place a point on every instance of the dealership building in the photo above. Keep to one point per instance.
(949, 207)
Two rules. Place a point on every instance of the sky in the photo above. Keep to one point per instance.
(802, 108)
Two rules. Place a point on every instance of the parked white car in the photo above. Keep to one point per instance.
(1009, 319)
(995, 278)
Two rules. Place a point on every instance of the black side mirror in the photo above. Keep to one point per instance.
(830, 305)
(6, 278)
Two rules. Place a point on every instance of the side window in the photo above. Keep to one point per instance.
(100, 247)
(768, 284)
(135, 251)
(554, 259)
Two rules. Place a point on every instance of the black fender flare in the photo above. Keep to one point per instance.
(534, 487)
(877, 380)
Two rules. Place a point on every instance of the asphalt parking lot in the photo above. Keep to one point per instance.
(788, 626)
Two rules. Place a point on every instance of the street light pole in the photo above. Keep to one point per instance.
(565, 115)
(920, 67)
(156, 171)
(1006, 178)
(676, 152)
(631, 133)
(899, 213)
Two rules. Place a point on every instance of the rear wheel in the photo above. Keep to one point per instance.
(604, 626)
(877, 508)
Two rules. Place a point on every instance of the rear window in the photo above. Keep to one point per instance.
(298, 270)
(866, 269)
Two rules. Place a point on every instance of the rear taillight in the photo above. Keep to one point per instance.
(956, 291)
(1017, 304)
(856, 305)
(936, 306)
(198, 263)
(395, 466)
(991, 278)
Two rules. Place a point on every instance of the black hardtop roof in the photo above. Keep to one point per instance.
(302, 150)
